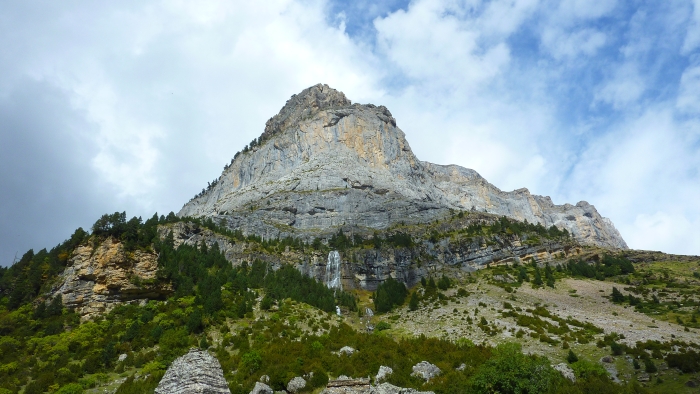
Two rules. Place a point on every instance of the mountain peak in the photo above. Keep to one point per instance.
(323, 162)
(303, 105)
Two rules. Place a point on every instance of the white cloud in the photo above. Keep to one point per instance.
(645, 168)
(142, 69)
(172, 90)
(688, 100)
(624, 88)
(663, 231)
(573, 11)
(451, 52)
(692, 38)
(564, 45)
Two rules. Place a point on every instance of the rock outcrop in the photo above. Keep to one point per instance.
(261, 388)
(324, 162)
(296, 384)
(97, 279)
(425, 370)
(565, 371)
(383, 373)
(197, 372)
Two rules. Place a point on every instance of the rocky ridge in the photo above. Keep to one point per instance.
(323, 162)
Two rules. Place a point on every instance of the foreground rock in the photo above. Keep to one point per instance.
(261, 388)
(362, 386)
(323, 162)
(296, 385)
(197, 372)
(383, 373)
(386, 388)
(346, 350)
(565, 371)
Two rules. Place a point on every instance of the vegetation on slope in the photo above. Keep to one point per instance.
(282, 324)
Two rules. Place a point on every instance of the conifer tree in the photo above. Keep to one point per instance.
(617, 295)
(413, 303)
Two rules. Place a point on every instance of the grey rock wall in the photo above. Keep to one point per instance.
(324, 162)
(367, 268)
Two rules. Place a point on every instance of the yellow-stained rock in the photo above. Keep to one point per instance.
(96, 281)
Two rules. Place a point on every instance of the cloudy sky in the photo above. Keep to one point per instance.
(113, 106)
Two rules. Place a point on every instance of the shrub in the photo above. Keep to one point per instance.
(72, 388)
(413, 303)
(511, 371)
(687, 362)
(649, 366)
(616, 349)
(571, 358)
(251, 362)
(617, 295)
(382, 325)
(319, 379)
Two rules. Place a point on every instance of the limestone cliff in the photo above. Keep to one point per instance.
(324, 162)
(97, 279)
(362, 268)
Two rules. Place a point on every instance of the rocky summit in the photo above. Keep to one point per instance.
(324, 163)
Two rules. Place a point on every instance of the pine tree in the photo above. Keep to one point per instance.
(538, 279)
(413, 303)
(571, 358)
(617, 295)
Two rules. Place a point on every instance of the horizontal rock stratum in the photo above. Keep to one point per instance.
(323, 162)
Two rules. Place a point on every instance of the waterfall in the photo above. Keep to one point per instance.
(337, 310)
(368, 312)
(332, 279)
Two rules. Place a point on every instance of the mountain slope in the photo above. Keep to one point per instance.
(323, 162)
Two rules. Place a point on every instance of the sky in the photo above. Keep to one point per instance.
(134, 105)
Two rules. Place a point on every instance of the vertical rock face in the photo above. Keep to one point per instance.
(324, 162)
(97, 279)
(197, 372)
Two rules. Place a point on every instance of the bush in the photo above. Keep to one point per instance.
(382, 325)
(413, 303)
(571, 358)
(649, 366)
(148, 385)
(617, 295)
(319, 379)
(686, 362)
(616, 349)
(511, 371)
(251, 362)
(585, 369)
(73, 388)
